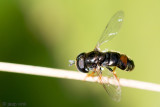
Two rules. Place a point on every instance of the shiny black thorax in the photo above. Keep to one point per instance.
(88, 61)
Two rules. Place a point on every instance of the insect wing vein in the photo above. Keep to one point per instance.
(111, 85)
(111, 29)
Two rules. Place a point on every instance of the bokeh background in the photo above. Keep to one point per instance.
(50, 32)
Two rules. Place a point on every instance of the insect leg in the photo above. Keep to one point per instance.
(99, 73)
(113, 71)
(109, 69)
(90, 75)
(100, 77)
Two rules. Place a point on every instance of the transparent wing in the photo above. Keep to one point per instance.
(111, 29)
(111, 85)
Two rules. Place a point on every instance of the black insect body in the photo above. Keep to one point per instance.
(95, 60)
(88, 61)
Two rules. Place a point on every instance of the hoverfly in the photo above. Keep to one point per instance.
(96, 60)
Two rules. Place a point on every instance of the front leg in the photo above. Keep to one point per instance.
(90, 75)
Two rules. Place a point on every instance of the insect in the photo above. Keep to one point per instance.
(96, 60)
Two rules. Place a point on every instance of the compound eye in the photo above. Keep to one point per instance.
(81, 63)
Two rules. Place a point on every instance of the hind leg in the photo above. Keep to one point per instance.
(113, 71)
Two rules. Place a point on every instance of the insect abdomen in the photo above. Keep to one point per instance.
(119, 60)
(125, 63)
(111, 59)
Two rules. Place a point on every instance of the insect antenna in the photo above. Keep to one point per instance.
(71, 62)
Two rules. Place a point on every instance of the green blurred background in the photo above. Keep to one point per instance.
(50, 32)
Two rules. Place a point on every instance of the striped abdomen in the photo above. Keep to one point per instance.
(119, 60)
